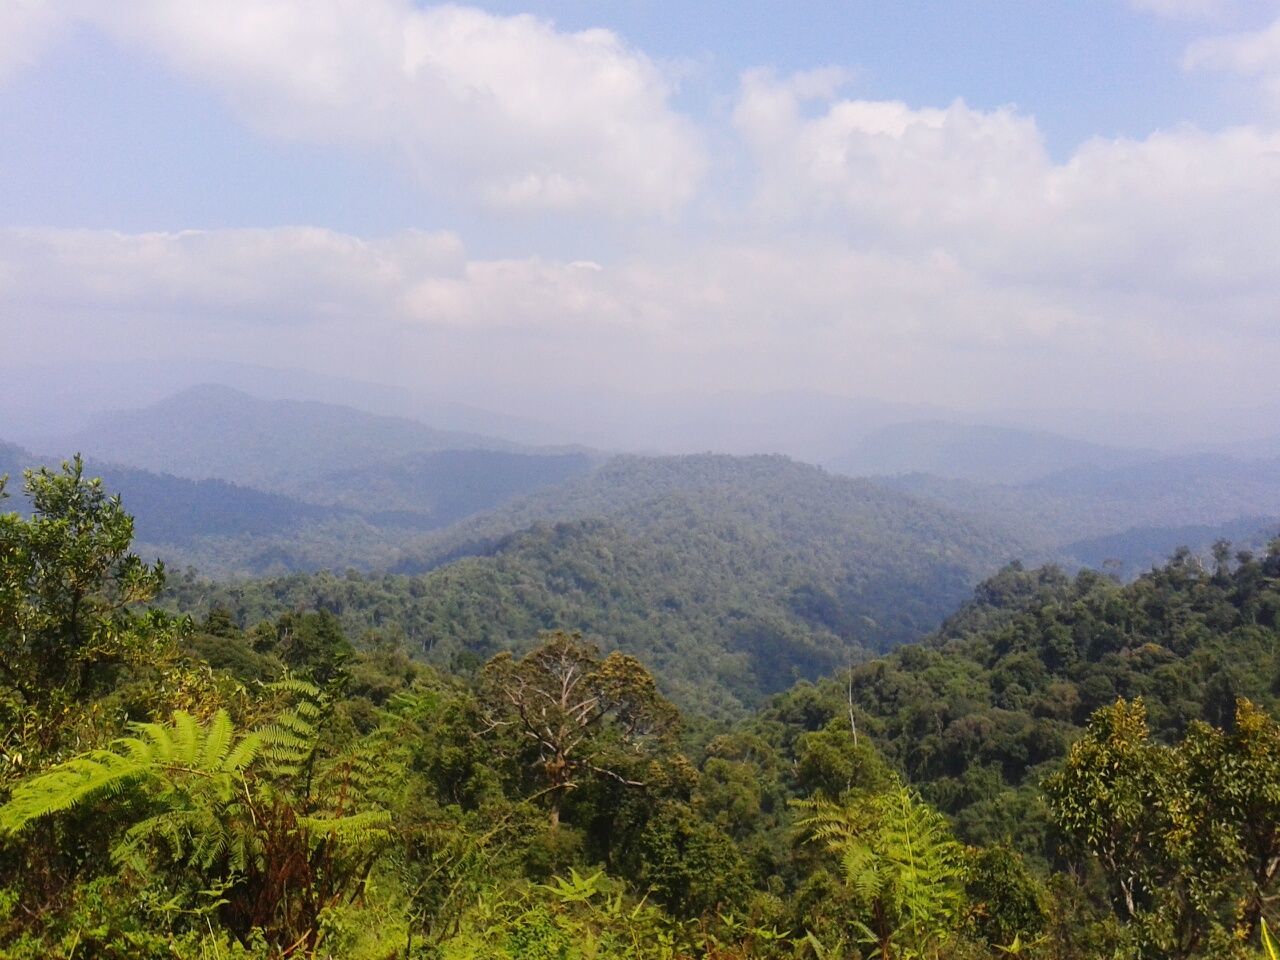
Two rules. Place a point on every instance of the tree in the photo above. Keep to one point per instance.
(1110, 800)
(576, 714)
(1230, 813)
(67, 580)
(1188, 836)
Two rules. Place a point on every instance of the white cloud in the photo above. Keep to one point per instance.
(280, 276)
(882, 248)
(1254, 54)
(1181, 213)
(520, 114)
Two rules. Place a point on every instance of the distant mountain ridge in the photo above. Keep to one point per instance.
(175, 510)
(978, 452)
(212, 431)
(1127, 509)
(228, 529)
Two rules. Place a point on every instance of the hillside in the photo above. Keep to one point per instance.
(316, 451)
(977, 452)
(442, 486)
(225, 529)
(1135, 551)
(229, 530)
(562, 787)
(732, 576)
(1086, 503)
(978, 713)
(170, 509)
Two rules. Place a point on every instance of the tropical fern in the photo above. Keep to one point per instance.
(899, 861)
(287, 832)
(169, 757)
(290, 737)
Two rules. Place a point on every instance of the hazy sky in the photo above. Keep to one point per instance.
(1057, 203)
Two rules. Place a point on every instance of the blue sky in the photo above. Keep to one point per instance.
(978, 204)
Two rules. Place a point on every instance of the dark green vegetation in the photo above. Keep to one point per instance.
(731, 577)
(1069, 768)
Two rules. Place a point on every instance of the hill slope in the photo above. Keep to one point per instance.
(212, 431)
(174, 516)
(1087, 503)
(226, 529)
(732, 576)
(977, 452)
(980, 712)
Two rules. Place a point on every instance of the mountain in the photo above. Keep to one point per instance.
(230, 530)
(215, 432)
(1134, 551)
(392, 469)
(976, 452)
(174, 511)
(443, 485)
(58, 400)
(1085, 503)
(732, 576)
(805, 425)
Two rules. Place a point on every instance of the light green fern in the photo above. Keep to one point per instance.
(899, 861)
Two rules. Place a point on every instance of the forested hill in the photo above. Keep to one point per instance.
(732, 576)
(1087, 503)
(981, 711)
(797, 503)
(179, 787)
(214, 431)
(175, 511)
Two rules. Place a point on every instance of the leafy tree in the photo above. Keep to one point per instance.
(1185, 834)
(1111, 799)
(577, 715)
(67, 580)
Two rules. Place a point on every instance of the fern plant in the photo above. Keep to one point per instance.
(900, 864)
(288, 832)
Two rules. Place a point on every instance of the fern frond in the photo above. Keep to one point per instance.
(365, 829)
(217, 741)
(186, 738)
(70, 784)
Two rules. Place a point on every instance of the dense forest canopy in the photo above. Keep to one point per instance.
(730, 577)
(1070, 767)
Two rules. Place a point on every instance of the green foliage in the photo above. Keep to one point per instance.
(730, 577)
(1186, 835)
(67, 580)
(577, 716)
(900, 864)
(283, 787)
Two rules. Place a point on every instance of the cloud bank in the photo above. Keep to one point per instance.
(859, 246)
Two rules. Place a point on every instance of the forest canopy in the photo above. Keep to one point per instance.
(1070, 767)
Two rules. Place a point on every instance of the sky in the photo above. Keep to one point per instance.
(983, 205)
